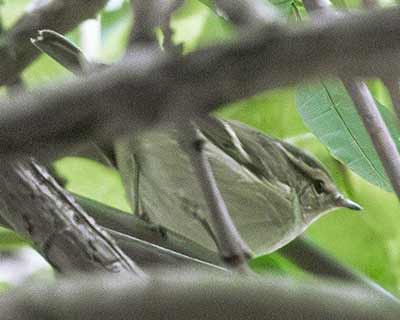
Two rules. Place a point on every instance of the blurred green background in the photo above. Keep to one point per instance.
(369, 241)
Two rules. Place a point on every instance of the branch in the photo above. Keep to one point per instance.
(133, 92)
(377, 130)
(300, 251)
(149, 14)
(131, 225)
(391, 83)
(143, 242)
(37, 208)
(16, 52)
(148, 255)
(306, 255)
(393, 87)
(189, 295)
(231, 246)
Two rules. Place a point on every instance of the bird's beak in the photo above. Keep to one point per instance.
(347, 203)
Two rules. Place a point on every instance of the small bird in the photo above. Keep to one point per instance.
(272, 190)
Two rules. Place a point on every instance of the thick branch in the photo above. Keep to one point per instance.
(143, 242)
(144, 89)
(194, 296)
(37, 208)
(16, 51)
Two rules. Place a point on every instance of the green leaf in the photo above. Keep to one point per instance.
(10, 240)
(93, 180)
(330, 114)
(277, 264)
(11, 10)
(273, 112)
(115, 26)
(283, 5)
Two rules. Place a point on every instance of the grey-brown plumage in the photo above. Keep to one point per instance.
(272, 189)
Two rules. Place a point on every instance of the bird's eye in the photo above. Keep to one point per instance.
(319, 186)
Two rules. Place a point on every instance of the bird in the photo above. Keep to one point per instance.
(272, 189)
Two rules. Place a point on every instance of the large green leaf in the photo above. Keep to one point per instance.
(330, 114)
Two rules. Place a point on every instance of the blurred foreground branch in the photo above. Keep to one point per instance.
(193, 296)
(132, 93)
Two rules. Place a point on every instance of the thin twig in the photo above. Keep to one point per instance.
(393, 87)
(168, 44)
(391, 83)
(148, 15)
(377, 130)
(233, 249)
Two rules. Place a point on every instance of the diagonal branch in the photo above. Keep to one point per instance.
(16, 52)
(233, 249)
(145, 88)
(37, 208)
